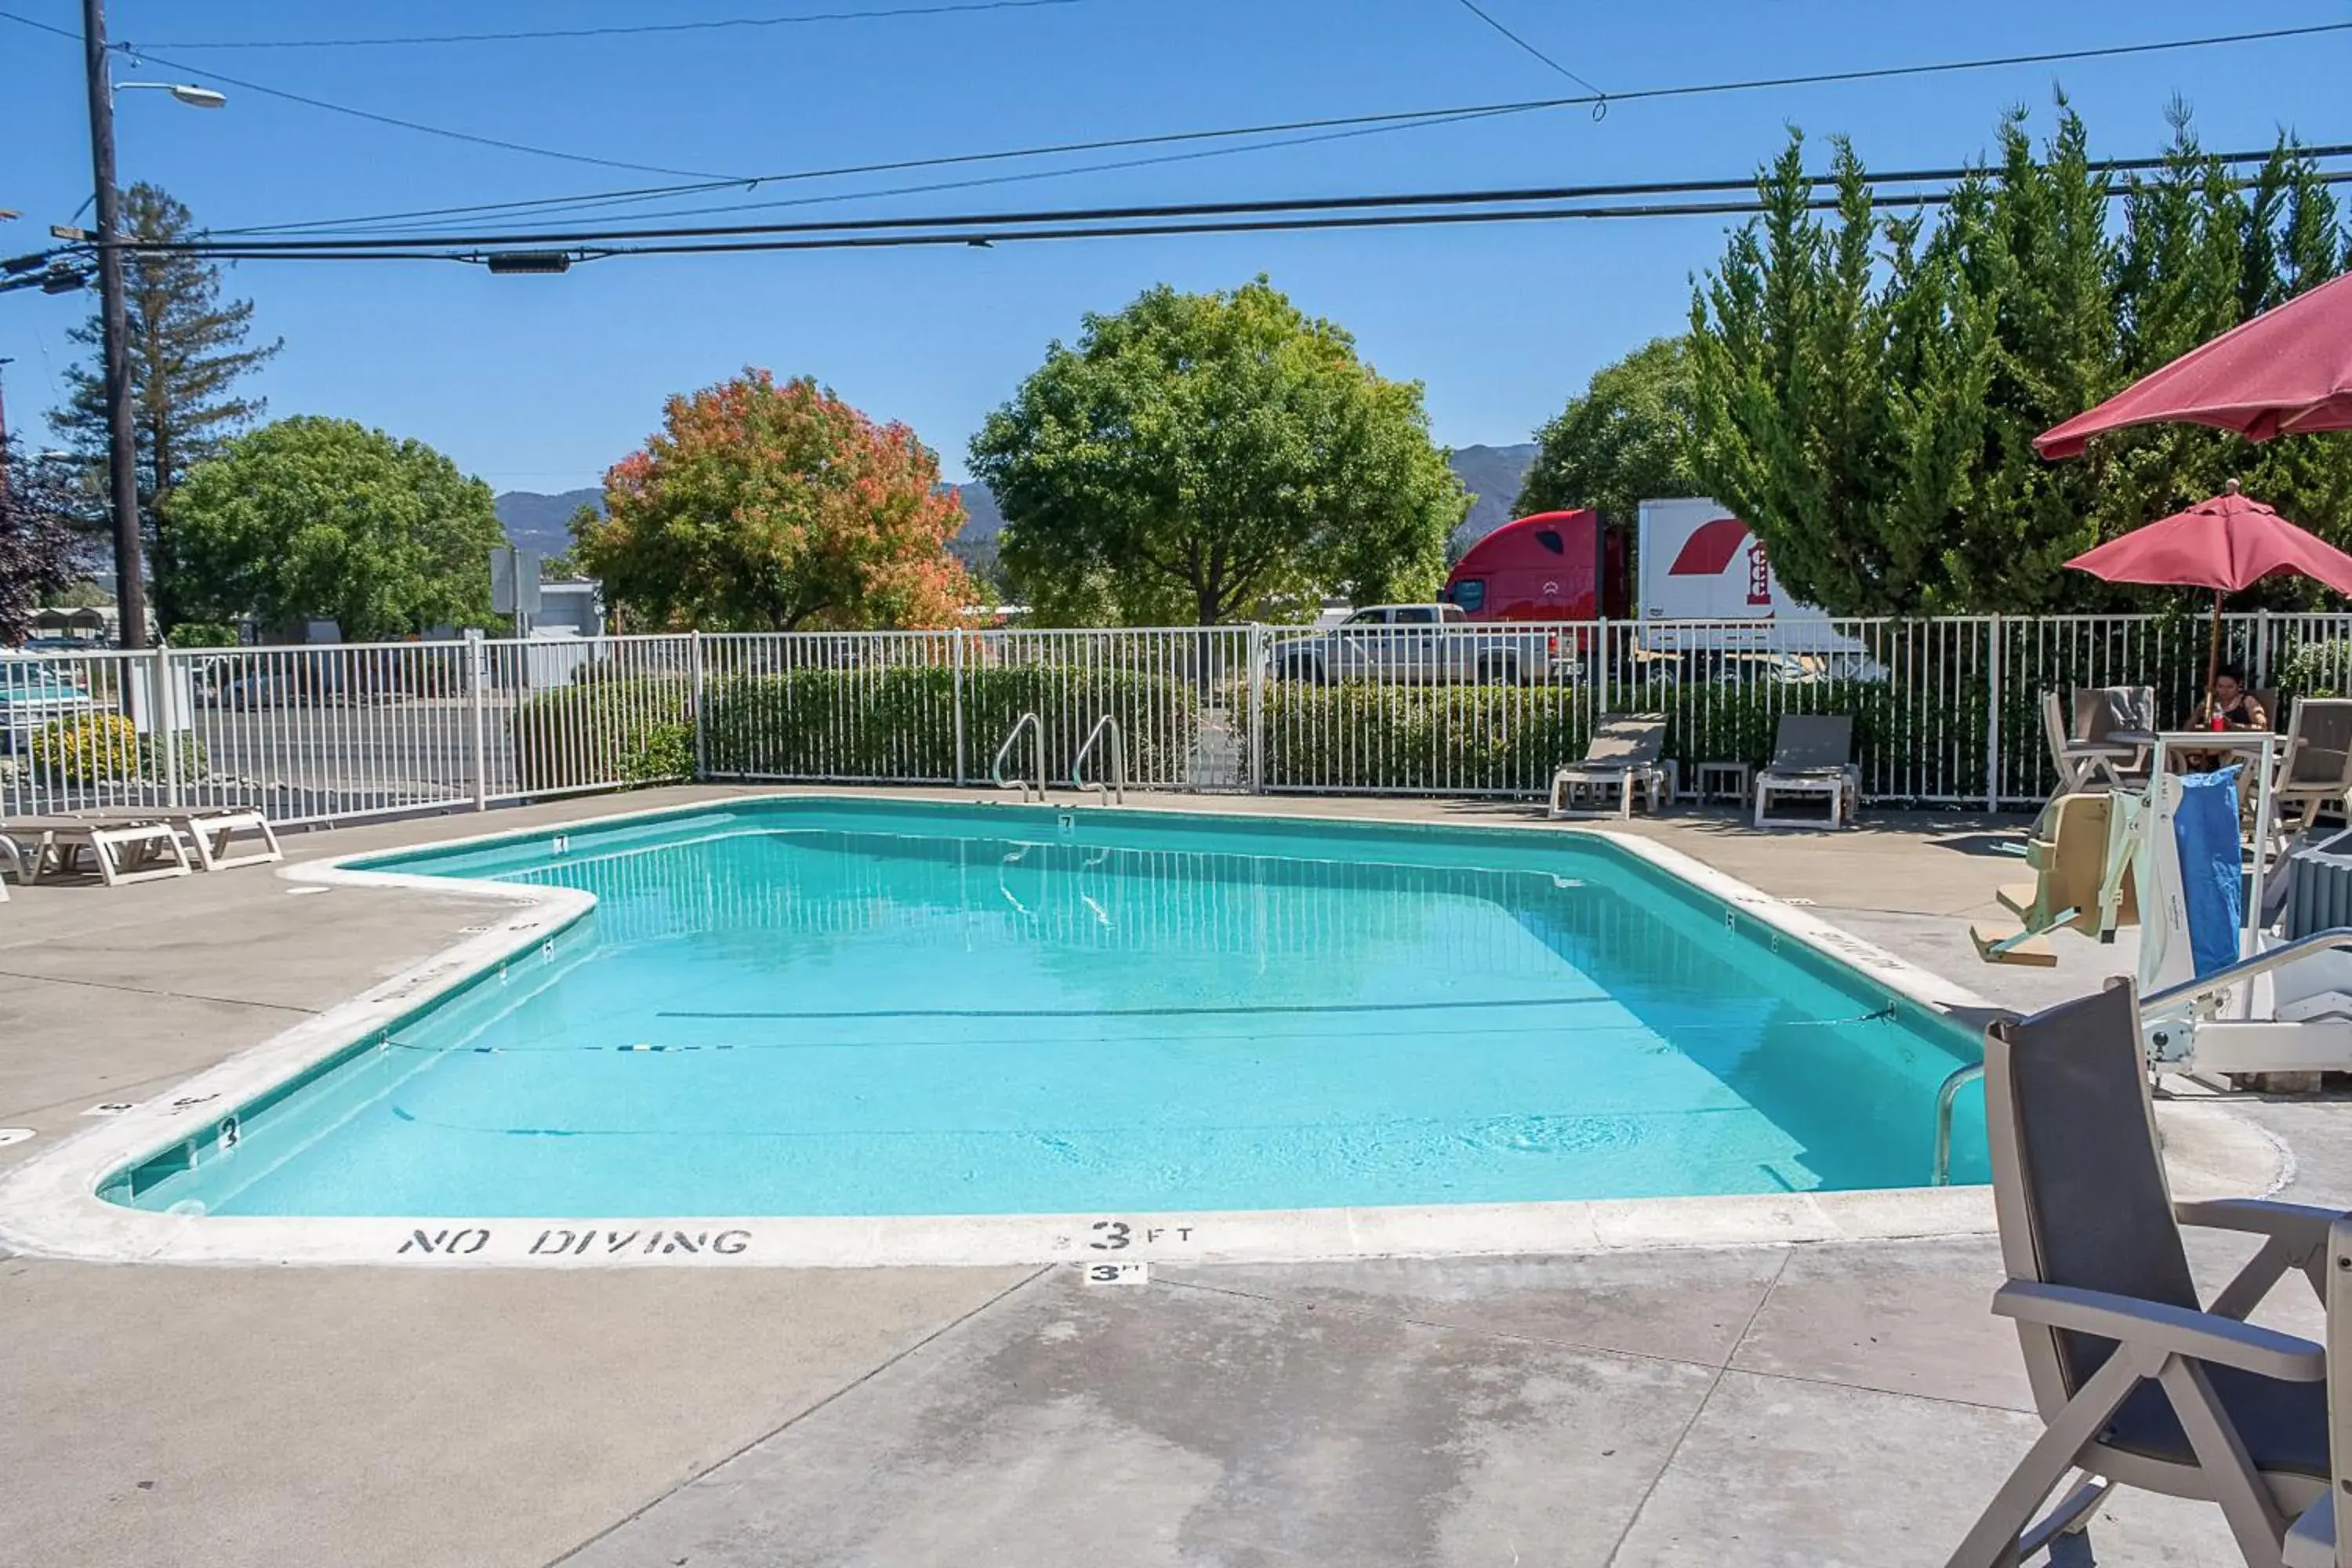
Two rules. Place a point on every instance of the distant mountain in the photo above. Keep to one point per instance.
(534, 521)
(1493, 474)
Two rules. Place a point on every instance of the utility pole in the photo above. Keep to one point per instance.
(122, 445)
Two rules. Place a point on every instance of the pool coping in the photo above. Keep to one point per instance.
(49, 1206)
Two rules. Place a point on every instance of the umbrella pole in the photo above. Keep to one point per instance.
(2213, 656)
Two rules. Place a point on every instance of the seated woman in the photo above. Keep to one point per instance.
(2238, 710)
(2230, 699)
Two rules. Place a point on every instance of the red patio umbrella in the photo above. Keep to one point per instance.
(2226, 543)
(2287, 371)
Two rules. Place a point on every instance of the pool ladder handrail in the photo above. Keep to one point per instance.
(1036, 727)
(1959, 1079)
(1115, 787)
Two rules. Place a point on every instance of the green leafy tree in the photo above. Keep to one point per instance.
(320, 517)
(1205, 456)
(41, 552)
(187, 352)
(1628, 437)
(768, 506)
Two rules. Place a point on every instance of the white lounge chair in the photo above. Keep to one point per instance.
(1811, 758)
(122, 853)
(2085, 762)
(2136, 1384)
(1621, 760)
(211, 832)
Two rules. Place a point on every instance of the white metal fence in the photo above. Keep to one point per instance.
(1946, 712)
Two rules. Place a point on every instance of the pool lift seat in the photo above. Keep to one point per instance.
(2082, 881)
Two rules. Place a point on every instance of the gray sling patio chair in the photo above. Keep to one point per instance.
(2314, 1541)
(2137, 1384)
(2315, 768)
(1622, 761)
(1813, 755)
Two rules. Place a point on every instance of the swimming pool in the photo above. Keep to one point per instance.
(819, 1007)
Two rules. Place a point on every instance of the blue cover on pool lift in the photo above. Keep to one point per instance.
(2212, 885)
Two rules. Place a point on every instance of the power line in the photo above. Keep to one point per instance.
(938, 187)
(1374, 200)
(1404, 119)
(1526, 47)
(395, 121)
(713, 26)
(984, 239)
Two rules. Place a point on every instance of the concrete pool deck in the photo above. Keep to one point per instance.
(1815, 1404)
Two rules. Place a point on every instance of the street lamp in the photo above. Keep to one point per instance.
(122, 445)
(192, 96)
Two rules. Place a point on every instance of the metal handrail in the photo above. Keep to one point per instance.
(2204, 985)
(1116, 788)
(1961, 1078)
(1036, 727)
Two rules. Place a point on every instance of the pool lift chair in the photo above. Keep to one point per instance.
(2284, 1005)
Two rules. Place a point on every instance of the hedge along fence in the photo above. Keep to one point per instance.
(601, 733)
(899, 725)
(1501, 740)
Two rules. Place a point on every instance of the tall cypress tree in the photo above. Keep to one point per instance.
(187, 352)
(1876, 426)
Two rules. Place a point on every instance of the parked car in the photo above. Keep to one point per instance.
(1419, 645)
(35, 693)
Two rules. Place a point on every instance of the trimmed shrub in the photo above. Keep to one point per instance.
(635, 732)
(88, 748)
(106, 748)
(899, 724)
(1508, 740)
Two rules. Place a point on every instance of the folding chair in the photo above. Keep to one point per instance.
(2137, 1384)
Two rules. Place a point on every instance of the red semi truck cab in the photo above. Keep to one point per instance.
(1553, 566)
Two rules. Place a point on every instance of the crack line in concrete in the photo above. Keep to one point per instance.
(860, 1381)
(1697, 1410)
(152, 991)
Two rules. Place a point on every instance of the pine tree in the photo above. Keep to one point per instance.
(187, 352)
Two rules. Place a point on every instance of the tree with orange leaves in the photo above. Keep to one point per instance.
(768, 506)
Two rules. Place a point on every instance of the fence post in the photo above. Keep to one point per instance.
(1257, 709)
(956, 689)
(164, 694)
(477, 676)
(2261, 659)
(702, 733)
(1992, 713)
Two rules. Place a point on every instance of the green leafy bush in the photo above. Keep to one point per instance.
(1508, 740)
(2322, 669)
(106, 748)
(664, 754)
(900, 724)
(203, 634)
(628, 730)
(88, 748)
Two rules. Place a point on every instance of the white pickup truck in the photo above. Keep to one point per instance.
(1420, 645)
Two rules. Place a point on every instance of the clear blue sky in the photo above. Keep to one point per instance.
(539, 383)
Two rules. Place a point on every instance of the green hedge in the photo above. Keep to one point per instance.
(899, 724)
(1508, 739)
(638, 731)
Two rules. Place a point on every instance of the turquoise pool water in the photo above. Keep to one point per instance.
(812, 1008)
